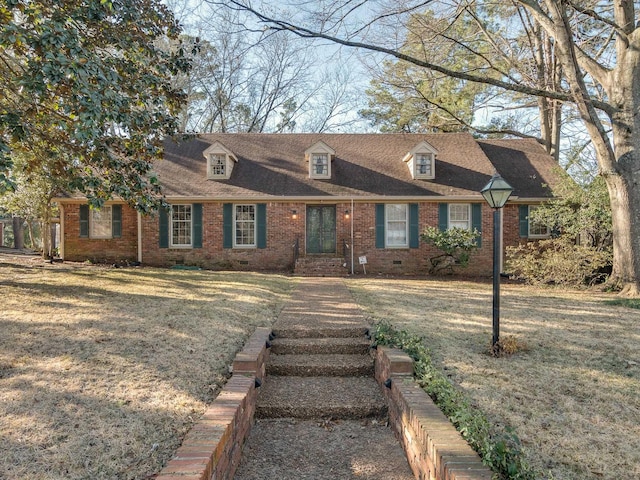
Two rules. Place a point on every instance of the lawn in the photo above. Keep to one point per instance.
(103, 370)
(573, 396)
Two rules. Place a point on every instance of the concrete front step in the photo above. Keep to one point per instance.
(310, 331)
(320, 397)
(337, 365)
(283, 346)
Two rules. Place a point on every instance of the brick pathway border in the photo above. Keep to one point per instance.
(213, 447)
(435, 450)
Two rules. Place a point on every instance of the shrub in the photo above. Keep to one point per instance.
(557, 261)
(507, 345)
(499, 450)
(456, 243)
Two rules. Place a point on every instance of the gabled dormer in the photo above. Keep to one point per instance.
(319, 156)
(421, 161)
(220, 162)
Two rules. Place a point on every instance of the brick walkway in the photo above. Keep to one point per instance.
(320, 414)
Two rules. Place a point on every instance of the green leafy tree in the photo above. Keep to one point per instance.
(33, 190)
(90, 77)
(580, 250)
(456, 243)
(406, 98)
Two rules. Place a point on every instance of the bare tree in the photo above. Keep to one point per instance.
(245, 81)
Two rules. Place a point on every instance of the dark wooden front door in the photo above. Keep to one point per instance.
(321, 229)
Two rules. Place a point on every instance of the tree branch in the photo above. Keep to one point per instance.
(308, 33)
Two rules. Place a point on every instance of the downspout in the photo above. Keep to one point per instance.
(61, 247)
(353, 213)
(139, 237)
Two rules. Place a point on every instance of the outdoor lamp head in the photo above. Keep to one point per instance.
(497, 191)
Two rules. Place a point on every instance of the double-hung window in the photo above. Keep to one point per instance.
(397, 225)
(100, 222)
(217, 165)
(245, 225)
(537, 229)
(320, 166)
(424, 164)
(181, 226)
(460, 215)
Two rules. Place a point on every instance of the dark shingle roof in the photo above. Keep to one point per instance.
(365, 165)
(524, 164)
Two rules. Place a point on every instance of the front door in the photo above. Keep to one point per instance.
(321, 229)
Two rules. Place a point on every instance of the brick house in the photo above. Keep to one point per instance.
(263, 201)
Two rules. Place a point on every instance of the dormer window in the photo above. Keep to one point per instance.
(421, 161)
(220, 162)
(217, 165)
(424, 164)
(320, 164)
(319, 156)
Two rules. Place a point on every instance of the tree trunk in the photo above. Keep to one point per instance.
(18, 233)
(625, 198)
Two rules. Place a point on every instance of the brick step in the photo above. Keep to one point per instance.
(304, 365)
(348, 345)
(320, 266)
(319, 331)
(320, 397)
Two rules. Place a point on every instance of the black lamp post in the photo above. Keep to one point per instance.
(496, 193)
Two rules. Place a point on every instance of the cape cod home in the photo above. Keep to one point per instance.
(316, 203)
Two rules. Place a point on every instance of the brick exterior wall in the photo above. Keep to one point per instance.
(282, 232)
(111, 250)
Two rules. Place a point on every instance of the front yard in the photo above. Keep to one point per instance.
(103, 370)
(573, 396)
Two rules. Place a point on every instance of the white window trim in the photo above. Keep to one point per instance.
(411, 159)
(171, 242)
(314, 173)
(469, 221)
(424, 176)
(319, 148)
(230, 159)
(217, 176)
(386, 227)
(529, 223)
(255, 225)
(92, 235)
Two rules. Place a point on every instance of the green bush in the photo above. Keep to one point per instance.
(456, 243)
(499, 450)
(557, 261)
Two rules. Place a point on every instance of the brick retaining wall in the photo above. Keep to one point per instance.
(434, 448)
(213, 447)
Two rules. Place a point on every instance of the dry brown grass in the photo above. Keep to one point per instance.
(102, 371)
(573, 396)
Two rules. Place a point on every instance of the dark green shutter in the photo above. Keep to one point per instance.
(380, 231)
(84, 221)
(196, 218)
(227, 225)
(116, 221)
(476, 221)
(261, 225)
(164, 227)
(443, 216)
(414, 226)
(523, 214)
